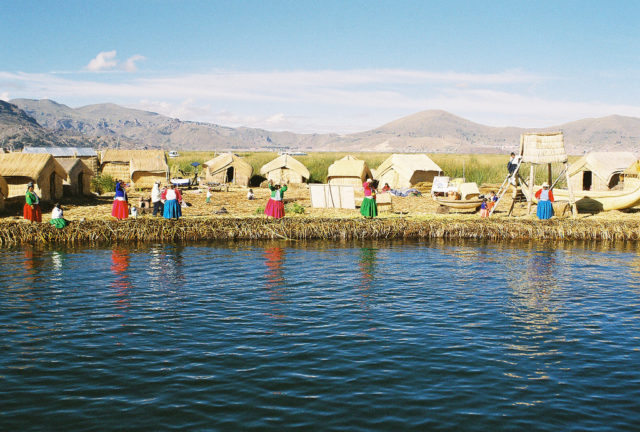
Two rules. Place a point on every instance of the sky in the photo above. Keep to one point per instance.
(328, 66)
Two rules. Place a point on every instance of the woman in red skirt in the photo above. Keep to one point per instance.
(120, 208)
(31, 210)
(275, 206)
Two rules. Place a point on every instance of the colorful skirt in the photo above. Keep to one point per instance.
(120, 209)
(172, 209)
(32, 214)
(369, 208)
(484, 213)
(59, 222)
(545, 210)
(275, 209)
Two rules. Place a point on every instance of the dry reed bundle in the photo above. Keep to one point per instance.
(257, 228)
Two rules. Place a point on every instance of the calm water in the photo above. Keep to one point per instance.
(316, 336)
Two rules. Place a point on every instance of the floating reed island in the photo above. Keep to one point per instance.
(301, 228)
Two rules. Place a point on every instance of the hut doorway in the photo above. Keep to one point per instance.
(587, 180)
(615, 181)
(230, 175)
(52, 186)
(80, 184)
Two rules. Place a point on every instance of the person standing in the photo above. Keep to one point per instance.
(120, 208)
(31, 210)
(275, 205)
(369, 208)
(172, 199)
(545, 198)
(208, 200)
(156, 199)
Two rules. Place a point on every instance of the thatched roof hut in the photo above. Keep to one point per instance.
(78, 176)
(4, 190)
(228, 168)
(599, 171)
(405, 170)
(348, 171)
(141, 167)
(43, 170)
(543, 148)
(87, 154)
(285, 169)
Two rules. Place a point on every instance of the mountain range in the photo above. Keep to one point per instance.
(45, 122)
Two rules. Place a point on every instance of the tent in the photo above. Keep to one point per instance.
(599, 171)
(43, 170)
(405, 170)
(285, 169)
(141, 167)
(78, 176)
(228, 168)
(348, 171)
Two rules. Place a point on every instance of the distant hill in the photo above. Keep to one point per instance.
(426, 131)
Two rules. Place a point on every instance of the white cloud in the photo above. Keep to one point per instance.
(130, 64)
(105, 60)
(324, 100)
(5, 96)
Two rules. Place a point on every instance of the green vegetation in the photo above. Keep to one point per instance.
(294, 208)
(103, 183)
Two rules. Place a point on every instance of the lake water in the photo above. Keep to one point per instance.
(321, 336)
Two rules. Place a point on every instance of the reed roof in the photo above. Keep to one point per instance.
(70, 164)
(542, 148)
(227, 160)
(603, 164)
(407, 164)
(288, 162)
(155, 163)
(29, 165)
(349, 166)
(125, 156)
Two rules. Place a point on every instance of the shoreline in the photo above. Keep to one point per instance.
(148, 230)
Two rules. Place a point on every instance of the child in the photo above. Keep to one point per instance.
(134, 212)
(484, 210)
(250, 195)
(491, 202)
(208, 200)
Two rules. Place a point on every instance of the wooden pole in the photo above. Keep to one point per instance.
(550, 179)
(572, 198)
(531, 180)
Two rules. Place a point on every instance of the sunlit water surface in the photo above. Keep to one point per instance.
(317, 336)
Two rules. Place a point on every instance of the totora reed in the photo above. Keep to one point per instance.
(207, 229)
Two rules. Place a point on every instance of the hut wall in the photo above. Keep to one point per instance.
(118, 171)
(356, 182)
(394, 179)
(284, 175)
(43, 186)
(18, 186)
(79, 187)
(221, 177)
(145, 180)
(1, 202)
(91, 162)
(597, 185)
(422, 176)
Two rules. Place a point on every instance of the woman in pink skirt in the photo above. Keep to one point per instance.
(275, 206)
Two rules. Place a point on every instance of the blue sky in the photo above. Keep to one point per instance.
(328, 66)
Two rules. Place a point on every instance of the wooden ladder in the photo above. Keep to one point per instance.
(513, 176)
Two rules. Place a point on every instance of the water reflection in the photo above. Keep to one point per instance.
(121, 284)
(275, 286)
(367, 266)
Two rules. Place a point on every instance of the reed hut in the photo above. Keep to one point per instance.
(228, 168)
(600, 171)
(348, 171)
(4, 190)
(141, 167)
(42, 169)
(86, 154)
(405, 170)
(78, 179)
(285, 169)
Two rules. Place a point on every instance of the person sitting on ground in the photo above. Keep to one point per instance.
(57, 217)
(545, 198)
(250, 195)
(386, 187)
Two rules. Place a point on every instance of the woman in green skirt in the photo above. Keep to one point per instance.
(369, 209)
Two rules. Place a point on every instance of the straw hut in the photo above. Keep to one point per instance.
(86, 154)
(228, 168)
(542, 148)
(600, 171)
(348, 171)
(78, 178)
(285, 169)
(4, 190)
(43, 170)
(405, 170)
(141, 167)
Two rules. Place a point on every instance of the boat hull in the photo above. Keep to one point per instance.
(459, 204)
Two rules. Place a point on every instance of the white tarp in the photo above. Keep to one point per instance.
(332, 196)
(440, 184)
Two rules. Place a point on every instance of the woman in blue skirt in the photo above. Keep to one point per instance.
(173, 199)
(545, 198)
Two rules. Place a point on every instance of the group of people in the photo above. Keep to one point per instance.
(33, 212)
(166, 201)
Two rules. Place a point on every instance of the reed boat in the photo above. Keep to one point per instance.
(458, 204)
(594, 201)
